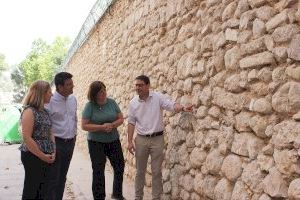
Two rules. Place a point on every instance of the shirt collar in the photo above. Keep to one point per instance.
(150, 95)
(58, 96)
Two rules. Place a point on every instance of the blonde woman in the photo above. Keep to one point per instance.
(38, 147)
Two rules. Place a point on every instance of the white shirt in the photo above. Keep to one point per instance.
(147, 116)
(63, 114)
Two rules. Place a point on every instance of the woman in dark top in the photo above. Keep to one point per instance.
(38, 148)
(101, 117)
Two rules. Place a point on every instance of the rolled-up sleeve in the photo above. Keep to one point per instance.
(166, 103)
(131, 117)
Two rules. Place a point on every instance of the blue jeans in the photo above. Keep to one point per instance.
(98, 153)
(59, 169)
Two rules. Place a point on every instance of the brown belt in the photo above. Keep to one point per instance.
(153, 134)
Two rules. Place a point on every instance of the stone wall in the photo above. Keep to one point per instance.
(237, 61)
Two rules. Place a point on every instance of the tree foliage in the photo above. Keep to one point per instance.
(3, 64)
(42, 62)
(19, 87)
(6, 84)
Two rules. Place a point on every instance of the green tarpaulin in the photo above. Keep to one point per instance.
(9, 124)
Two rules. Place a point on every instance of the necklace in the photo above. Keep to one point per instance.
(101, 105)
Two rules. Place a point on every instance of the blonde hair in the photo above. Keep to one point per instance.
(36, 93)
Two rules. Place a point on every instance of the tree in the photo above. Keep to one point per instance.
(42, 62)
(31, 66)
(6, 85)
(3, 64)
(19, 87)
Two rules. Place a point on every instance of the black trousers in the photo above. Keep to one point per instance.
(59, 169)
(98, 153)
(36, 176)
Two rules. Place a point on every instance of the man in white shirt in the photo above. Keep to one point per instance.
(145, 116)
(63, 113)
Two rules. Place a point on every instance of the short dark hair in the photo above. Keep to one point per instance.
(143, 78)
(94, 88)
(60, 78)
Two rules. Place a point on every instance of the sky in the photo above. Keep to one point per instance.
(23, 21)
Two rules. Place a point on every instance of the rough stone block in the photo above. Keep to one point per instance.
(294, 48)
(277, 20)
(257, 60)
(253, 47)
(285, 33)
(231, 58)
(231, 35)
(294, 188)
(274, 185)
(265, 13)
